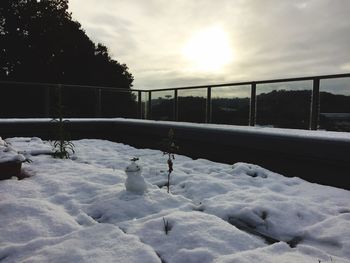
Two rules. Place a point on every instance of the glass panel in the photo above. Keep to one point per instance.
(134, 104)
(284, 105)
(77, 102)
(144, 100)
(230, 105)
(335, 104)
(162, 105)
(192, 105)
(119, 104)
(23, 100)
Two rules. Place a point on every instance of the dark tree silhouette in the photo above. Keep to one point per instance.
(40, 42)
(284, 108)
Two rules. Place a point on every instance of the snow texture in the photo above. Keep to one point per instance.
(297, 133)
(9, 154)
(79, 210)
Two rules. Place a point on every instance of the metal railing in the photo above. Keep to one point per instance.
(314, 104)
(143, 98)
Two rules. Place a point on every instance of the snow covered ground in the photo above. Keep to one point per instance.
(79, 211)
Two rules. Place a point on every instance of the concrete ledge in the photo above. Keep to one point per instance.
(316, 156)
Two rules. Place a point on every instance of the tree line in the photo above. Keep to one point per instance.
(40, 42)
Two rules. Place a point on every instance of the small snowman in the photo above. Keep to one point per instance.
(135, 182)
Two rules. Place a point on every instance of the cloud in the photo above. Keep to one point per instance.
(270, 38)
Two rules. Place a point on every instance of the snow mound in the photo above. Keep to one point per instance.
(9, 154)
(78, 210)
(193, 237)
(99, 243)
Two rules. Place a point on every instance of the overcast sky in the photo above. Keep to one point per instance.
(170, 43)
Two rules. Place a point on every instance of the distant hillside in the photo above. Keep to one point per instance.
(282, 108)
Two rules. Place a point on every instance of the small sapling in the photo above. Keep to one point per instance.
(169, 149)
(167, 227)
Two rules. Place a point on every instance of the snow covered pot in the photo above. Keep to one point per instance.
(135, 182)
(10, 161)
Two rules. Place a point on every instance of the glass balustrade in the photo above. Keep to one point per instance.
(162, 105)
(192, 105)
(284, 105)
(335, 105)
(230, 105)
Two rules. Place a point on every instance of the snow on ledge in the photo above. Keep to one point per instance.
(283, 132)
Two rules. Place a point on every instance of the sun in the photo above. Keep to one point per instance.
(208, 50)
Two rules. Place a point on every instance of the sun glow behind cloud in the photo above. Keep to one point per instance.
(156, 39)
(208, 50)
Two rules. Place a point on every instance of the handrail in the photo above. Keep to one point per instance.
(344, 75)
(331, 76)
(67, 85)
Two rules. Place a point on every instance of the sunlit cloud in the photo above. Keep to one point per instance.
(253, 39)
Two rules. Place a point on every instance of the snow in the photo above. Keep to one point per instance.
(262, 130)
(79, 210)
(9, 154)
(194, 237)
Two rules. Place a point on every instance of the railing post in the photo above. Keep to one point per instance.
(59, 102)
(149, 108)
(175, 109)
(139, 104)
(47, 102)
(315, 105)
(98, 103)
(252, 106)
(208, 113)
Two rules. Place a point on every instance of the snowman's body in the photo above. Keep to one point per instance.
(135, 182)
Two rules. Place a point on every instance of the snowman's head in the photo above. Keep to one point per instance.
(133, 169)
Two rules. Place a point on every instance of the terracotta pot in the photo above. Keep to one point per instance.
(9, 169)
